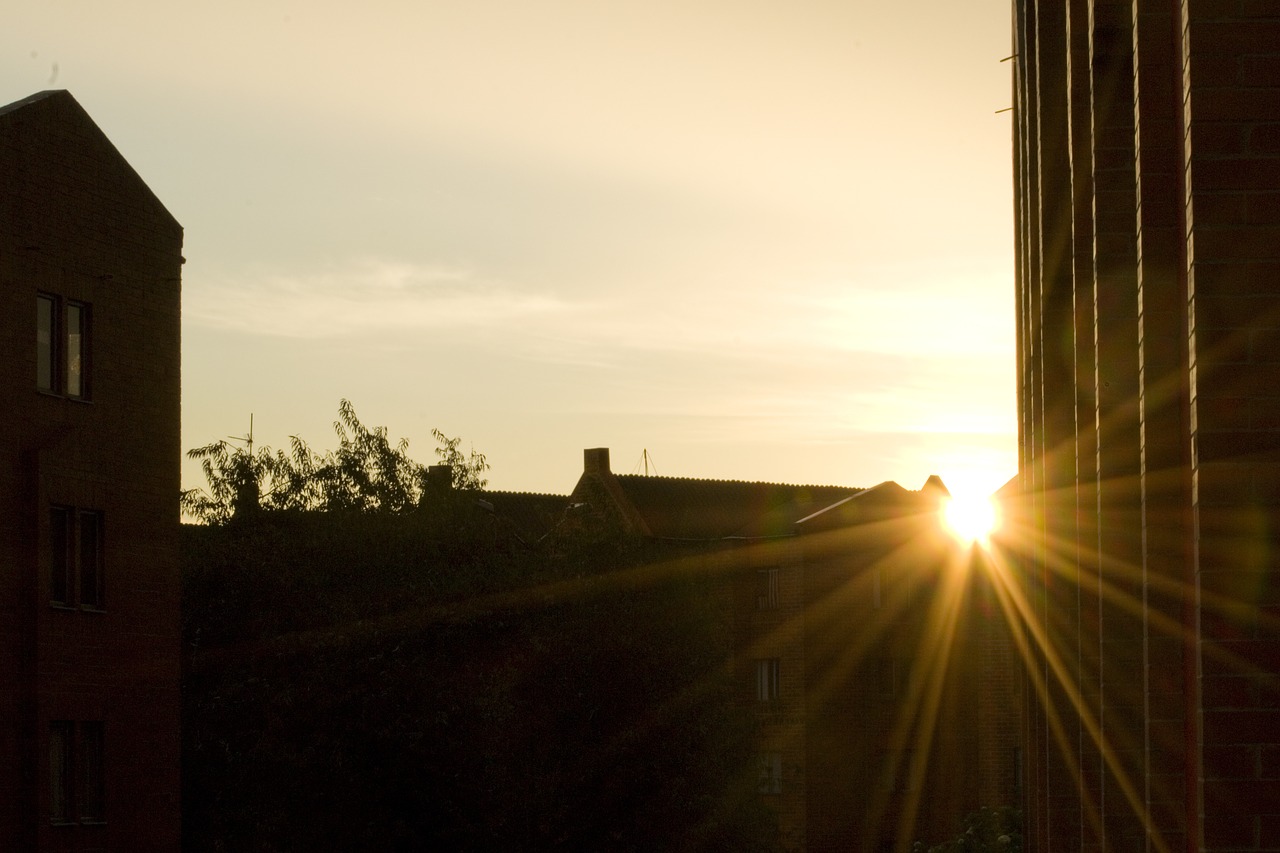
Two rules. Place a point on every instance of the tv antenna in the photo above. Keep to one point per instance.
(645, 461)
(247, 439)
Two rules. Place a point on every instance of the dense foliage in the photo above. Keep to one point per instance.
(365, 473)
(390, 682)
(988, 830)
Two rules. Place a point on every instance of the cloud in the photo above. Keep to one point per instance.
(365, 297)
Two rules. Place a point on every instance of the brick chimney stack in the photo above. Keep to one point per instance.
(595, 460)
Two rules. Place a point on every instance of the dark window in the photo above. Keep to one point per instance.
(91, 559)
(47, 343)
(770, 778)
(894, 672)
(92, 772)
(76, 558)
(766, 589)
(77, 772)
(768, 671)
(896, 770)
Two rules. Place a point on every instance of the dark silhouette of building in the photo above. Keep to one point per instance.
(1147, 173)
(89, 389)
(864, 642)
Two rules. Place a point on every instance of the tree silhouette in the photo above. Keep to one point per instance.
(365, 473)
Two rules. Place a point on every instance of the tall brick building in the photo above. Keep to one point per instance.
(90, 267)
(869, 653)
(1147, 172)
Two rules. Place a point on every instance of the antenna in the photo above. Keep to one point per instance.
(247, 439)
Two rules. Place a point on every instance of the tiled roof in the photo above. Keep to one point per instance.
(529, 515)
(682, 508)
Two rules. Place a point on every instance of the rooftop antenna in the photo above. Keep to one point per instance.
(644, 460)
(247, 439)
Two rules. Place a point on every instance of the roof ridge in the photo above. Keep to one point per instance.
(740, 482)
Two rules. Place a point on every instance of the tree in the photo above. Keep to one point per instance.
(365, 473)
(988, 830)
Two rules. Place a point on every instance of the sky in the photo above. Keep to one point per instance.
(758, 240)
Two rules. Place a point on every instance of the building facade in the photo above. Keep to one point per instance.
(1147, 201)
(864, 645)
(90, 266)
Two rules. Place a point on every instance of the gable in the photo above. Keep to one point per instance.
(68, 191)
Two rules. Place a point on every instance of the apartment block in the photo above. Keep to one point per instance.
(90, 268)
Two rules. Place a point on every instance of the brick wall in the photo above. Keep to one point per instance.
(1171, 638)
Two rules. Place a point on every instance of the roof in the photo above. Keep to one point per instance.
(685, 508)
(531, 516)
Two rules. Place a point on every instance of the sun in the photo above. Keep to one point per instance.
(971, 518)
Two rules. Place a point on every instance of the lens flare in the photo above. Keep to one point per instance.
(971, 519)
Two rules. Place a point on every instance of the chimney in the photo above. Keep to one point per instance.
(440, 478)
(595, 460)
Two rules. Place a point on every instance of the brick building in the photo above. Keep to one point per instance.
(864, 645)
(1147, 178)
(89, 454)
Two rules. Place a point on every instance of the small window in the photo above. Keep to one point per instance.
(76, 558)
(893, 673)
(62, 346)
(770, 775)
(92, 775)
(77, 772)
(47, 343)
(896, 770)
(766, 589)
(768, 671)
(90, 558)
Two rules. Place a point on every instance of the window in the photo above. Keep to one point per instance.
(893, 675)
(767, 676)
(62, 346)
(77, 350)
(77, 774)
(769, 780)
(766, 589)
(47, 343)
(75, 557)
(897, 770)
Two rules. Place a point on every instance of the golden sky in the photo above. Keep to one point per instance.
(762, 240)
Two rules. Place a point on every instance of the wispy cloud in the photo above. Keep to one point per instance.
(365, 297)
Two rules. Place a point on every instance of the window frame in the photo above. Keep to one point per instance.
(768, 675)
(77, 773)
(77, 558)
(767, 588)
(769, 774)
(48, 351)
(82, 351)
(69, 368)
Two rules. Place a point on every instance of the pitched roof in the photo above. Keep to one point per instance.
(685, 508)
